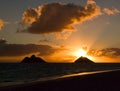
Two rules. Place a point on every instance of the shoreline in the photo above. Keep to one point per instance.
(107, 79)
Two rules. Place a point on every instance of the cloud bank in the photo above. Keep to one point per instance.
(106, 52)
(111, 12)
(57, 17)
(24, 49)
(49, 53)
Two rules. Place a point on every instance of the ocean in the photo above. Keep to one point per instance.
(18, 73)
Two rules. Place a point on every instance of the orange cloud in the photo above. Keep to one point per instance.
(57, 17)
(1, 24)
(107, 52)
(30, 16)
(111, 12)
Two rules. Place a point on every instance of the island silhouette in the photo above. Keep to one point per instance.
(83, 60)
(34, 59)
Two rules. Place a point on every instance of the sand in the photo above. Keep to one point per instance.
(102, 81)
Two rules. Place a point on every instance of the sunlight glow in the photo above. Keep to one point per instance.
(82, 52)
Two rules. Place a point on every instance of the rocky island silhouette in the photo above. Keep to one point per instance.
(83, 60)
(34, 59)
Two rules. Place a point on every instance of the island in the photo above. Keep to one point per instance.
(33, 59)
(83, 60)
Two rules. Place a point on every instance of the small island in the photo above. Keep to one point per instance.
(33, 59)
(84, 60)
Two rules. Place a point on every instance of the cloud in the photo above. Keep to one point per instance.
(57, 17)
(44, 40)
(24, 49)
(30, 16)
(1, 24)
(107, 52)
(2, 41)
(112, 11)
(63, 35)
(49, 53)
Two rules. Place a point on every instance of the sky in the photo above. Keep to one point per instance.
(60, 30)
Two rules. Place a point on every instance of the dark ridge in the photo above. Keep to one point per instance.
(33, 59)
(83, 60)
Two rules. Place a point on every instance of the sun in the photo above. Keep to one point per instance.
(83, 53)
(80, 53)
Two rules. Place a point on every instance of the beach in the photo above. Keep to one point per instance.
(100, 81)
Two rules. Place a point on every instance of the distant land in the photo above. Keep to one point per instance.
(83, 60)
(34, 59)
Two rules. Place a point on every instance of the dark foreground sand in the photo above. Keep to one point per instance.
(107, 81)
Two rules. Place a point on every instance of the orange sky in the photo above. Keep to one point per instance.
(60, 31)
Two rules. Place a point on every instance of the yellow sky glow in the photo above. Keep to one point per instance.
(82, 52)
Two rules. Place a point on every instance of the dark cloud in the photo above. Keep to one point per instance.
(24, 49)
(108, 52)
(57, 17)
(2, 41)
